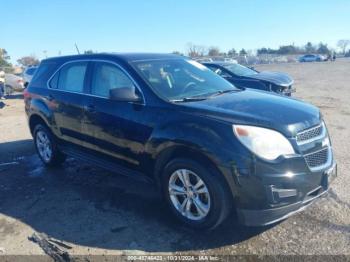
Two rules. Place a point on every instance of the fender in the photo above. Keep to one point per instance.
(39, 108)
(205, 140)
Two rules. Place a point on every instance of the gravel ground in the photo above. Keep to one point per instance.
(82, 210)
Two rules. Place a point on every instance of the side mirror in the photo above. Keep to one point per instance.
(126, 94)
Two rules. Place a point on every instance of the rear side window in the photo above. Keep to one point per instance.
(42, 74)
(70, 78)
(106, 77)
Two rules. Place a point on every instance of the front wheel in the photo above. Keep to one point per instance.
(46, 147)
(196, 195)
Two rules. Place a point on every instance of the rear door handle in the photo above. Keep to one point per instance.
(90, 108)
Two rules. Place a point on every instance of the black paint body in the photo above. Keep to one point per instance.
(143, 136)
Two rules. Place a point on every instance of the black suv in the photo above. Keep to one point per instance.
(208, 145)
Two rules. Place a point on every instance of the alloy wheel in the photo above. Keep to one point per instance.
(189, 194)
(44, 146)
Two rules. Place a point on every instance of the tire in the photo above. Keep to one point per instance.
(8, 90)
(213, 209)
(46, 147)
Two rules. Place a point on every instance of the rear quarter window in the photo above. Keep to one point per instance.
(71, 77)
(42, 74)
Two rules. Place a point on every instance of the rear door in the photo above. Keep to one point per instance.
(67, 99)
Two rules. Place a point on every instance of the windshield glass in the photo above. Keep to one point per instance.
(240, 70)
(175, 79)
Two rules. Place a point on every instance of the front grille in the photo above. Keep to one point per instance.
(310, 134)
(318, 158)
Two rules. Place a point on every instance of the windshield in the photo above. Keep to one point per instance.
(240, 70)
(176, 79)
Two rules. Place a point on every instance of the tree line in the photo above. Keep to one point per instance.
(29, 60)
(194, 50)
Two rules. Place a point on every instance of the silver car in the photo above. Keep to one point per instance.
(311, 58)
(13, 83)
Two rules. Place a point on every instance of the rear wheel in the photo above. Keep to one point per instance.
(46, 146)
(196, 195)
(8, 90)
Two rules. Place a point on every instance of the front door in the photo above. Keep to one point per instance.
(119, 128)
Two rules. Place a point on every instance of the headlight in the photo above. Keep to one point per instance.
(263, 142)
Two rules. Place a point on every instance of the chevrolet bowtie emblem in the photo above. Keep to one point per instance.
(325, 142)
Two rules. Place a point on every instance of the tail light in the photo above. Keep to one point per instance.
(26, 93)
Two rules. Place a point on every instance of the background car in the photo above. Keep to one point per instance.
(13, 83)
(221, 59)
(28, 74)
(244, 77)
(203, 59)
(312, 58)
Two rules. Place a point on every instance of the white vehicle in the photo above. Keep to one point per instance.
(230, 60)
(28, 74)
(203, 60)
(224, 59)
(13, 83)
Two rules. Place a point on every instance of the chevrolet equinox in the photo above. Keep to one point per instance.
(210, 147)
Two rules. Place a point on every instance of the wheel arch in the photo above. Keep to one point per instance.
(182, 151)
(34, 120)
(39, 112)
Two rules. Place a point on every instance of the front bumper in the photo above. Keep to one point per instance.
(261, 217)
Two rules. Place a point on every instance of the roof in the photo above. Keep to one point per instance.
(123, 56)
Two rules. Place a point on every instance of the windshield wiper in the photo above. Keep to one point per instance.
(200, 98)
(221, 92)
(188, 99)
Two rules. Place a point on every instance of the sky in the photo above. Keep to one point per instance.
(50, 28)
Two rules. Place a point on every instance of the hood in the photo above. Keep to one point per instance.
(277, 78)
(254, 107)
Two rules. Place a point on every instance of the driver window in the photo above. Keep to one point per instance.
(106, 77)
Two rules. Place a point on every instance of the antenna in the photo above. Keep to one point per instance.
(76, 46)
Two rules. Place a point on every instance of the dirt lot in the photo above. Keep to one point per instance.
(80, 209)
